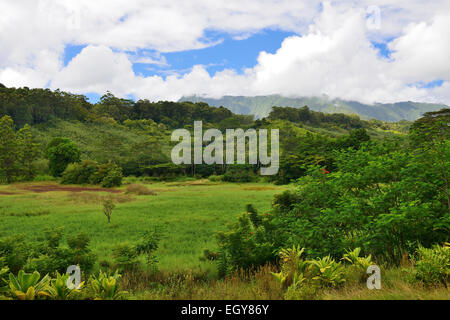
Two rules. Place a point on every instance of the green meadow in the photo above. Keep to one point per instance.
(188, 213)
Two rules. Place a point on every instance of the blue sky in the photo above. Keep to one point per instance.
(315, 48)
(229, 53)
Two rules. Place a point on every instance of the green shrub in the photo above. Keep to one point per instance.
(244, 246)
(432, 266)
(105, 286)
(360, 264)
(126, 257)
(58, 289)
(110, 174)
(4, 270)
(254, 217)
(79, 173)
(27, 286)
(327, 272)
(239, 173)
(215, 178)
(14, 252)
(292, 267)
(89, 172)
(44, 177)
(149, 244)
(49, 257)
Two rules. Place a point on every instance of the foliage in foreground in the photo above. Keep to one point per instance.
(432, 265)
(387, 198)
(296, 278)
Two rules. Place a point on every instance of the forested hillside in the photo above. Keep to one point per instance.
(136, 135)
(260, 106)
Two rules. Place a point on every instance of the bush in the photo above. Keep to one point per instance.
(126, 257)
(41, 178)
(14, 252)
(79, 173)
(105, 286)
(149, 244)
(89, 172)
(244, 246)
(433, 265)
(239, 173)
(360, 264)
(327, 272)
(215, 178)
(109, 175)
(48, 257)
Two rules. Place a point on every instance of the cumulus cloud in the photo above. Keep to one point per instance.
(332, 54)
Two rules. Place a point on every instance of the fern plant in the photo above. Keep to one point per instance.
(432, 265)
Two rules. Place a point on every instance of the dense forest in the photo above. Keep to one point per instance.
(136, 135)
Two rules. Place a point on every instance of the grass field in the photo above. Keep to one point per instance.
(190, 214)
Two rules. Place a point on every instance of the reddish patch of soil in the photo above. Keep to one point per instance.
(5, 193)
(51, 188)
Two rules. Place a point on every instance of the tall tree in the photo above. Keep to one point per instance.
(28, 151)
(8, 150)
(61, 152)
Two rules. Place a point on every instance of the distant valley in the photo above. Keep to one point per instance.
(260, 106)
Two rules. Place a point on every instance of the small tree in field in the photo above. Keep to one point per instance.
(108, 207)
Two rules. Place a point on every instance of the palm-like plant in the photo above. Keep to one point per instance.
(27, 286)
(105, 286)
(292, 266)
(327, 271)
(360, 263)
(3, 274)
(59, 290)
(291, 257)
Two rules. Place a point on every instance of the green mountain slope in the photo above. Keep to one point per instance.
(260, 106)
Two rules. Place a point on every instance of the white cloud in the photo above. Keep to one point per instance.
(422, 54)
(96, 69)
(333, 56)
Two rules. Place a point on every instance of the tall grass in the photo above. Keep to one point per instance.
(189, 214)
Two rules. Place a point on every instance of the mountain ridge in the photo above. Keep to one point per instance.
(260, 106)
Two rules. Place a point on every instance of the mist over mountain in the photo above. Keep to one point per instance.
(260, 106)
